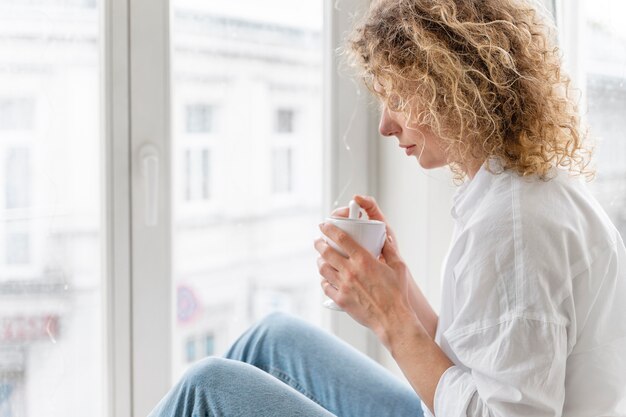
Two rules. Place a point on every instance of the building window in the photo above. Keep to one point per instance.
(284, 121)
(190, 350)
(17, 113)
(12, 401)
(282, 171)
(199, 118)
(17, 252)
(17, 174)
(197, 165)
(17, 243)
(209, 345)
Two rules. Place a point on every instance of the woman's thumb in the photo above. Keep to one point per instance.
(371, 208)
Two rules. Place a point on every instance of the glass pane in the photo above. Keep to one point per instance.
(199, 118)
(605, 65)
(51, 294)
(247, 167)
(281, 170)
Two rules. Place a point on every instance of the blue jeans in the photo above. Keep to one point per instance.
(286, 367)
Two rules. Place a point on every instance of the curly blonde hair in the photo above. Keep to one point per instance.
(483, 75)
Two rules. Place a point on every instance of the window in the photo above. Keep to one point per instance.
(11, 384)
(51, 195)
(192, 344)
(197, 174)
(75, 115)
(17, 178)
(17, 247)
(190, 350)
(282, 173)
(600, 73)
(284, 121)
(17, 113)
(209, 345)
(248, 59)
(606, 96)
(199, 118)
(90, 4)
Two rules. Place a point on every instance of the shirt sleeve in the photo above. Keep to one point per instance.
(516, 368)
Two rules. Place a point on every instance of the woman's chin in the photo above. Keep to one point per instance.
(428, 163)
(424, 162)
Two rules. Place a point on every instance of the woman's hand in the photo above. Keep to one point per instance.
(370, 206)
(373, 291)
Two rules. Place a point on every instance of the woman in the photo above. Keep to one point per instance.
(534, 284)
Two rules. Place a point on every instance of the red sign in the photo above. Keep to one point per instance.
(187, 306)
(28, 328)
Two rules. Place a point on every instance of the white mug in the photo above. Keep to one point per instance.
(370, 234)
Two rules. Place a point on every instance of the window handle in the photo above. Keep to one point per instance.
(149, 156)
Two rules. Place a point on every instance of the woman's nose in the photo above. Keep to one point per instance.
(388, 126)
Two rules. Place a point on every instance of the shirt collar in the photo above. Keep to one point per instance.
(470, 193)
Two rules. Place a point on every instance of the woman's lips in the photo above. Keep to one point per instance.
(409, 150)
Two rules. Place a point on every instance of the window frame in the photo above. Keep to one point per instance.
(569, 18)
(115, 67)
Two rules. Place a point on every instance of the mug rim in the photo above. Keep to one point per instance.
(362, 221)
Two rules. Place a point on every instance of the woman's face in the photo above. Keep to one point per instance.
(418, 141)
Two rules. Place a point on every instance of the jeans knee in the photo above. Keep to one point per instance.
(280, 326)
(208, 372)
(266, 338)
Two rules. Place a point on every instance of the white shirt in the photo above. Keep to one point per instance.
(533, 302)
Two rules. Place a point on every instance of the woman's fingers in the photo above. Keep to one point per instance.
(367, 203)
(340, 212)
(330, 255)
(343, 212)
(330, 291)
(330, 279)
(327, 272)
(370, 206)
(345, 243)
(374, 212)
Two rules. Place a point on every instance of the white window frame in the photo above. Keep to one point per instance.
(569, 17)
(151, 220)
(117, 216)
